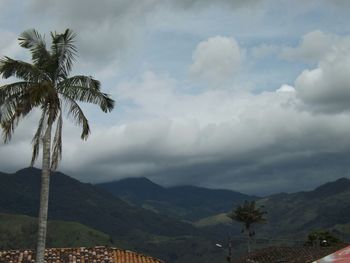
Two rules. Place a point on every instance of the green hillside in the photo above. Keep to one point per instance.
(130, 227)
(19, 231)
(293, 216)
(71, 200)
(326, 207)
(160, 233)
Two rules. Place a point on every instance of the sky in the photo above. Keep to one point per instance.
(247, 95)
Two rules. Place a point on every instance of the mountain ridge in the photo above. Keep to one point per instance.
(184, 202)
(72, 200)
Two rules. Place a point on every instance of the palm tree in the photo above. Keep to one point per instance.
(248, 214)
(45, 85)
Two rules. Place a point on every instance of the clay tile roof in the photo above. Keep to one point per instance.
(288, 254)
(78, 255)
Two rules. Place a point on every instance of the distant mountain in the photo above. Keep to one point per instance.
(330, 189)
(129, 226)
(182, 202)
(294, 215)
(157, 230)
(328, 206)
(71, 200)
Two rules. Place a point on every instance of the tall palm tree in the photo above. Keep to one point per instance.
(45, 85)
(248, 214)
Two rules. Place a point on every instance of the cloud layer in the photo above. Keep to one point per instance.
(246, 95)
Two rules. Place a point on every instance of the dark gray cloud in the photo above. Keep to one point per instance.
(108, 29)
(191, 4)
(253, 143)
(217, 137)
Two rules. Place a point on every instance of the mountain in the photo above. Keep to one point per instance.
(330, 189)
(129, 226)
(19, 231)
(293, 216)
(71, 200)
(182, 202)
(326, 207)
(157, 230)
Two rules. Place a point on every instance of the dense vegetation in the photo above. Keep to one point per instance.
(151, 231)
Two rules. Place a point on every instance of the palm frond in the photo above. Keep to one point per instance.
(64, 51)
(33, 41)
(18, 104)
(16, 88)
(22, 70)
(53, 103)
(38, 136)
(77, 115)
(57, 144)
(9, 121)
(12, 111)
(81, 81)
(45, 84)
(86, 89)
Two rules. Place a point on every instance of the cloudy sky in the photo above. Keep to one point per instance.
(250, 95)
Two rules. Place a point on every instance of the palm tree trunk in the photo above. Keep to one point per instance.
(44, 196)
(248, 241)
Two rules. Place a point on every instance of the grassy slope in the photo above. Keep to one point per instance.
(293, 216)
(19, 231)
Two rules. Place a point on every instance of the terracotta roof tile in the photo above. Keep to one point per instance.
(288, 254)
(78, 255)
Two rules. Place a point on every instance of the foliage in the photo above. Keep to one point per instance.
(248, 214)
(46, 85)
(322, 238)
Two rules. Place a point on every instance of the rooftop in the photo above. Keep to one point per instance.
(289, 254)
(78, 255)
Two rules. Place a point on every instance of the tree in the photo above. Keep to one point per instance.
(248, 214)
(322, 238)
(45, 85)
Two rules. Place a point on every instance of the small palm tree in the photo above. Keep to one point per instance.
(248, 214)
(45, 85)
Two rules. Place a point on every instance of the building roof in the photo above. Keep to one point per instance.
(78, 255)
(340, 256)
(288, 254)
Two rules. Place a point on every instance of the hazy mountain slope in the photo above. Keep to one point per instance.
(324, 207)
(295, 215)
(71, 200)
(182, 202)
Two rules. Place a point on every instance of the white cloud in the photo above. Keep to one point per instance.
(312, 48)
(213, 137)
(217, 137)
(216, 59)
(229, 132)
(286, 88)
(327, 87)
